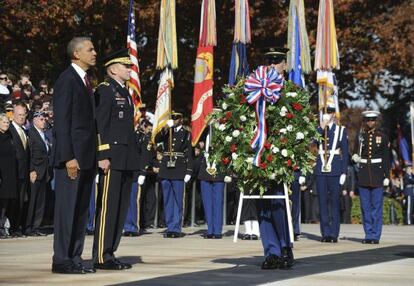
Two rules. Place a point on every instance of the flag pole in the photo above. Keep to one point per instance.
(412, 130)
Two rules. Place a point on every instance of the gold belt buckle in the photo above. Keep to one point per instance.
(326, 168)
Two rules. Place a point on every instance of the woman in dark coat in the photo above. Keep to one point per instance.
(8, 179)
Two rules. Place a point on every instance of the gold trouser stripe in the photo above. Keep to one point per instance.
(139, 207)
(103, 216)
(96, 198)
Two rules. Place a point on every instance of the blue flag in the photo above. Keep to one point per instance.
(295, 74)
(238, 64)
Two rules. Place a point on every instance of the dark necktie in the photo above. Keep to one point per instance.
(88, 85)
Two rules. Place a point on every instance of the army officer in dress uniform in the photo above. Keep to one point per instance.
(372, 156)
(175, 170)
(117, 159)
(331, 169)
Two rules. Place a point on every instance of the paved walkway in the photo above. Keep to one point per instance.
(195, 261)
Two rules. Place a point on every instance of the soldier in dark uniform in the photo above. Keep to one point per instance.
(175, 170)
(118, 159)
(409, 192)
(372, 155)
(331, 169)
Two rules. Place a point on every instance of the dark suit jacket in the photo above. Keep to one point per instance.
(22, 155)
(74, 134)
(39, 154)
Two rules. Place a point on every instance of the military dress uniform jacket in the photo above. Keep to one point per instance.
(114, 117)
(145, 150)
(374, 165)
(203, 175)
(339, 164)
(181, 154)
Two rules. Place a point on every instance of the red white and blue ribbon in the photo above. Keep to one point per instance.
(262, 86)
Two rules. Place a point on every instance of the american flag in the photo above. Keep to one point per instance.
(134, 83)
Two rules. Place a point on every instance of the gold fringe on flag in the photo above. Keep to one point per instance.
(242, 32)
(208, 35)
(297, 7)
(167, 36)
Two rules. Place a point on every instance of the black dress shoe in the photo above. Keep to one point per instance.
(254, 237)
(108, 265)
(86, 269)
(271, 262)
(124, 265)
(375, 241)
(208, 236)
(325, 239)
(168, 234)
(39, 233)
(217, 236)
(67, 269)
(246, 237)
(296, 237)
(333, 239)
(131, 233)
(287, 259)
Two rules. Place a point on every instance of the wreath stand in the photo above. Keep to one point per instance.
(285, 197)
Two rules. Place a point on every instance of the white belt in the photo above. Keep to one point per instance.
(334, 152)
(379, 160)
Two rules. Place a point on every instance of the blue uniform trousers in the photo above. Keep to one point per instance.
(295, 198)
(212, 195)
(329, 205)
(371, 208)
(131, 222)
(172, 191)
(92, 207)
(273, 224)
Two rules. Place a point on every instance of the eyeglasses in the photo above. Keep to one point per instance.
(4, 78)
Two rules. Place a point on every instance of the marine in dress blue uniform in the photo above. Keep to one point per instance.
(372, 156)
(118, 160)
(175, 170)
(272, 212)
(331, 169)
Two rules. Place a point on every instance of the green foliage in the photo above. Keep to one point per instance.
(291, 128)
(356, 215)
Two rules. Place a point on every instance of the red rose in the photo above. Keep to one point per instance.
(295, 168)
(225, 160)
(267, 145)
(290, 115)
(283, 140)
(233, 148)
(297, 106)
(289, 162)
(243, 99)
(269, 158)
(228, 114)
(263, 166)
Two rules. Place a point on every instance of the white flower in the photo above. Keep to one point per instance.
(231, 94)
(236, 133)
(306, 132)
(224, 106)
(306, 119)
(300, 136)
(284, 153)
(222, 127)
(289, 128)
(275, 150)
(293, 156)
(243, 118)
(249, 160)
(234, 156)
(217, 125)
(228, 138)
(283, 111)
(253, 115)
(283, 130)
(291, 94)
(272, 176)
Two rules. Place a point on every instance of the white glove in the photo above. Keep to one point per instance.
(386, 182)
(170, 123)
(187, 178)
(356, 158)
(227, 179)
(141, 180)
(302, 180)
(97, 179)
(342, 179)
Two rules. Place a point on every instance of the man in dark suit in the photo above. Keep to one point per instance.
(20, 140)
(39, 175)
(74, 156)
(118, 159)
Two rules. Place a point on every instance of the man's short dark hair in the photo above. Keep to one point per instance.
(21, 104)
(74, 44)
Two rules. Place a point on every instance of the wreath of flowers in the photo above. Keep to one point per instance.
(291, 128)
